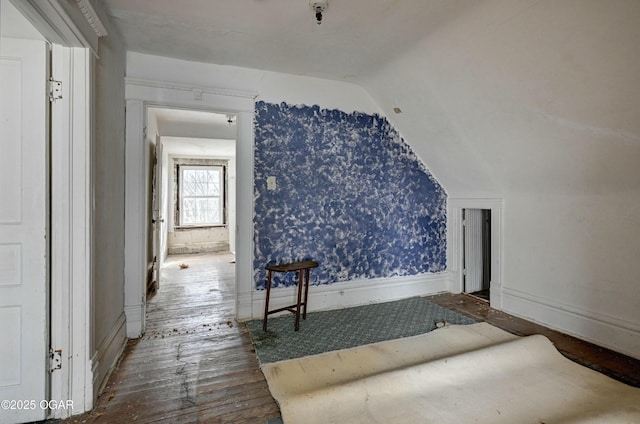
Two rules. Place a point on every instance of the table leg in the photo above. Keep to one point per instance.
(306, 292)
(266, 303)
(299, 299)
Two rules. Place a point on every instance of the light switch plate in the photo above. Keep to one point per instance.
(271, 183)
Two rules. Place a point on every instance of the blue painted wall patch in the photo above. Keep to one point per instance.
(350, 194)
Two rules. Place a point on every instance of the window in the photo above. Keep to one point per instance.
(201, 194)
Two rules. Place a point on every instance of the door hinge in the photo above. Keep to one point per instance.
(55, 90)
(55, 359)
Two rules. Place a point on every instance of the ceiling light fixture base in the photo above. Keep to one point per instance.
(318, 6)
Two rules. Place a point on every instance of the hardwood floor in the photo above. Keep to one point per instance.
(196, 364)
(616, 365)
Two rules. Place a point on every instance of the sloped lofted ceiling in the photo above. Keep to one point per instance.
(533, 96)
(356, 36)
(496, 95)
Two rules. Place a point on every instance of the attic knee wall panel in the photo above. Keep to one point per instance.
(350, 193)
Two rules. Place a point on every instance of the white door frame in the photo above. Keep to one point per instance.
(455, 234)
(71, 231)
(71, 221)
(139, 95)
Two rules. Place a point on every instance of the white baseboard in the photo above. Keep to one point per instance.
(614, 333)
(107, 355)
(244, 306)
(190, 248)
(135, 320)
(348, 293)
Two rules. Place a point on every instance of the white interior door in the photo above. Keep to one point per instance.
(473, 250)
(158, 218)
(23, 229)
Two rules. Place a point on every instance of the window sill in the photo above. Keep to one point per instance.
(197, 227)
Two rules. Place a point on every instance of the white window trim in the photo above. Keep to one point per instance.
(181, 197)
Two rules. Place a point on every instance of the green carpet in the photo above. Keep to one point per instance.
(325, 331)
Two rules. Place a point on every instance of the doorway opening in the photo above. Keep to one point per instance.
(477, 252)
(193, 184)
(142, 95)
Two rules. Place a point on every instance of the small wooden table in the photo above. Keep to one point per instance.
(300, 267)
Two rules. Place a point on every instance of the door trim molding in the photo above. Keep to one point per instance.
(139, 95)
(71, 220)
(71, 301)
(455, 256)
(54, 19)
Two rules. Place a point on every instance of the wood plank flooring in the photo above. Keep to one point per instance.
(196, 364)
(616, 365)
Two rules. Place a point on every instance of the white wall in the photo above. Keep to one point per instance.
(531, 95)
(205, 148)
(208, 239)
(108, 166)
(533, 102)
(268, 86)
(536, 102)
(176, 82)
(572, 263)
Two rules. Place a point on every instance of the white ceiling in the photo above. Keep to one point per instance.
(199, 147)
(173, 122)
(194, 132)
(355, 38)
(497, 95)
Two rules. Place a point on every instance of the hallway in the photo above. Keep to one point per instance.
(194, 364)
